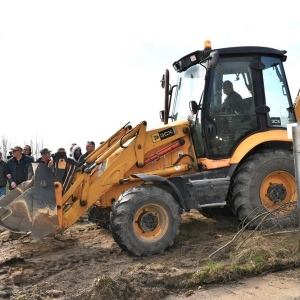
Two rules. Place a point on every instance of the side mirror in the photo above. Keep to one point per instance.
(194, 107)
(162, 115)
(163, 81)
(214, 59)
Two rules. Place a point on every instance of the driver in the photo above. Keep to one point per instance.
(233, 103)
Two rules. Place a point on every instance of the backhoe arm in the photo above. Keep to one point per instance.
(51, 203)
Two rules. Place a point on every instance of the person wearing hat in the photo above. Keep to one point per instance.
(3, 179)
(17, 167)
(45, 157)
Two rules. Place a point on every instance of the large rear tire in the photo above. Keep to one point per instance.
(262, 183)
(145, 220)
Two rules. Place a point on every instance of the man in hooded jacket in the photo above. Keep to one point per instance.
(76, 152)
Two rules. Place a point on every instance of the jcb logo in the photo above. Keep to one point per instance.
(155, 137)
(161, 135)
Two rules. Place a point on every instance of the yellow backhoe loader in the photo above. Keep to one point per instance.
(206, 155)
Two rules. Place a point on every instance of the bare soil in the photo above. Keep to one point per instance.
(276, 286)
(85, 263)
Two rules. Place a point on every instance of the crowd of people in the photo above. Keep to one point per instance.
(15, 170)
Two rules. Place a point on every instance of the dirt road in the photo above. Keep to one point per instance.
(86, 263)
(276, 286)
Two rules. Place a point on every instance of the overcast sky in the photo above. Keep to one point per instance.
(73, 71)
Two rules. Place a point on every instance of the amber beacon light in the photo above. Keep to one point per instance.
(207, 45)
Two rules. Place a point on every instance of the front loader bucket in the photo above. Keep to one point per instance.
(21, 188)
(31, 206)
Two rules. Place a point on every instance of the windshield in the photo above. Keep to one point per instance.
(190, 86)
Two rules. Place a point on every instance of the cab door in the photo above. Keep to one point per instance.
(225, 127)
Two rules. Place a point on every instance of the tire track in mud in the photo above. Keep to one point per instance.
(73, 259)
(70, 266)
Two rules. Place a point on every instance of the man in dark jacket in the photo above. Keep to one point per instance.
(45, 157)
(90, 147)
(233, 103)
(17, 167)
(2, 176)
(27, 151)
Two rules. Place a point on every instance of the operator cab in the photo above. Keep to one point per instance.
(255, 99)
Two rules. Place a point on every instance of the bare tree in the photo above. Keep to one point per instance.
(36, 145)
(4, 146)
(31, 146)
(39, 145)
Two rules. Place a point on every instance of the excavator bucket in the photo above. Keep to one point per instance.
(31, 207)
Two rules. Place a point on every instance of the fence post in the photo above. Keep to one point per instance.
(296, 147)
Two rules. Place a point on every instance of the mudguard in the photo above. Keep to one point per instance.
(154, 178)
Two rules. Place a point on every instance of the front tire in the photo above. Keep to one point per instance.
(262, 183)
(145, 220)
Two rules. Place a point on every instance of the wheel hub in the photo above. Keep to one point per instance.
(276, 192)
(148, 221)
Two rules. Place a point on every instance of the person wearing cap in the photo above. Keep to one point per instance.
(45, 157)
(3, 179)
(17, 167)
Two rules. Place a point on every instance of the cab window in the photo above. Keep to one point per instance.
(276, 93)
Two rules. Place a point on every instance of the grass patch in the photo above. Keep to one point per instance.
(105, 285)
(256, 255)
(258, 260)
(213, 266)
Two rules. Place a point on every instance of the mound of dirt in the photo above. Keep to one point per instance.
(85, 262)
